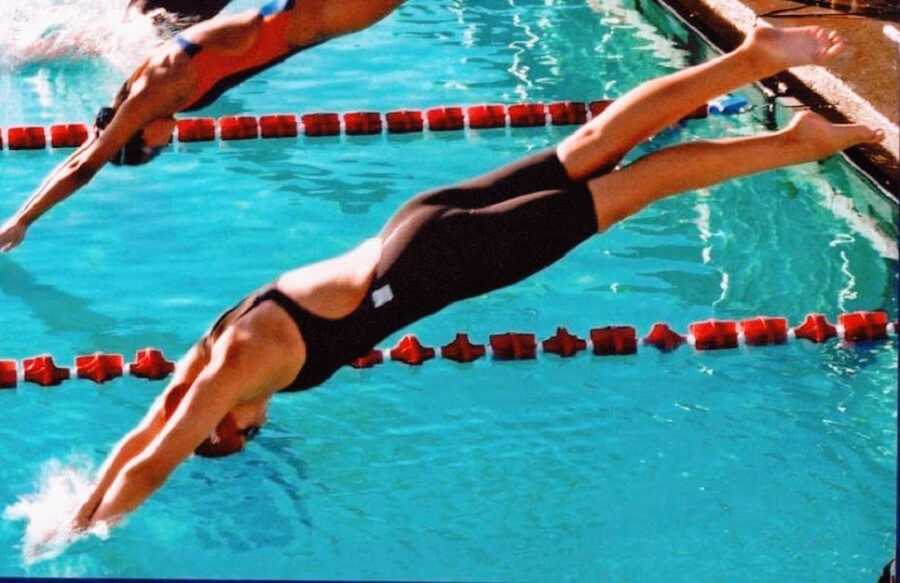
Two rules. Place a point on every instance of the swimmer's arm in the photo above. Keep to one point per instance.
(81, 166)
(139, 438)
(130, 446)
(238, 368)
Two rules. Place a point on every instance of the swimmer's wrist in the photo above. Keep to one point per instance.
(15, 221)
(22, 220)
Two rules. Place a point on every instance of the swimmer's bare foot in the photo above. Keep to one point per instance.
(777, 49)
(824, 138)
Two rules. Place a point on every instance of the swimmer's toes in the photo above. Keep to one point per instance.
(789, 47)
(826, 138)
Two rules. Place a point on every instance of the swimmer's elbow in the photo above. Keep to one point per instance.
(82, 171)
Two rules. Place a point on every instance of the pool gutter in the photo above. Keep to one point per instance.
(724, 23)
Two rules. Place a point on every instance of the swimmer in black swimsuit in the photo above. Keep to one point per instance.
(185, 74)
(449, 244)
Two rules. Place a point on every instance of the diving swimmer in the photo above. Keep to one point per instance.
(186, 74)
(449, 244)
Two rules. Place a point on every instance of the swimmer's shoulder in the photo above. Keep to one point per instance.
(166, 74)
(333, 288)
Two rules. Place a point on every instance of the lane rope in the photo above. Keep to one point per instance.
(151, 363)
(357, 123)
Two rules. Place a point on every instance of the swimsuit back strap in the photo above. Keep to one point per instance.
(273, 294)
(276, 6)
(190, 48)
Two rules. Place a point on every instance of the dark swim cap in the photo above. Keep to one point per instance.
(226, 438)
(134, 153)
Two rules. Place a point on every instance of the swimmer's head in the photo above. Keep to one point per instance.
(227, 438)
(143, 146)
(239, 426)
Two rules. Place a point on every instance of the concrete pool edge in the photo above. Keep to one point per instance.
(723, 24)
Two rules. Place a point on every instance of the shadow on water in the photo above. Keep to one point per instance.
(65, 313)
(363, 183)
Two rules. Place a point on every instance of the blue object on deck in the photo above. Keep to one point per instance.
(729, 104)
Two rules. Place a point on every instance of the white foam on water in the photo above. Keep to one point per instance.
(41, 30)
(49, 511)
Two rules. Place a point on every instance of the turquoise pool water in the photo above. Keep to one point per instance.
(765, 464)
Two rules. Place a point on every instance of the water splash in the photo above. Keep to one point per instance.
(42, 30)
(48, 512)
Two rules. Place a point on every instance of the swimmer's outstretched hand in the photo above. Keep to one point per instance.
(11, 234)
(81, 520)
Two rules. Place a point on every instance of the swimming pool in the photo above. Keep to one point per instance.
(763, 463)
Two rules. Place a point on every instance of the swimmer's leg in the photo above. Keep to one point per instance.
(809, 137)
(640, 113)
(190, 366)
(440, 255)
(347, 16)
(657, 104)
(536, 172)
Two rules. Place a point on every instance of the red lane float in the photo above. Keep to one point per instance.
(486, 116)
(664, 338)
(149, 363)
(41, 370)
(321, 124)
(411, 351)
(614, 340)
(868, 326)
(513, 346)
(563, 343)
(68, 135)
(282, 125)
(567, 113)
(763, 331)
(527, 115)
(815, 328)
(9, 377)
(200, 129)
(241, 127)
(361, 123)
(404, 122)
(99, 367)
(26, 138)
(462, 350)
(714, 334)
(369, 360)
(445, 119)
(598, 107)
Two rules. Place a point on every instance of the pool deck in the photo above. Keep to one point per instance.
(863, 85)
